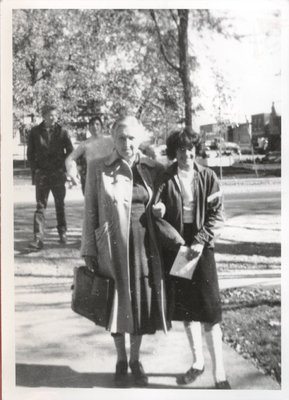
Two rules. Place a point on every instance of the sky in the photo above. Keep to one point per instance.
(251, 66)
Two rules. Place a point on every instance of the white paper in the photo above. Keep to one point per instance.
(181, 266)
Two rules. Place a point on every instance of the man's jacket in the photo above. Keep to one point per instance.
(48, 152)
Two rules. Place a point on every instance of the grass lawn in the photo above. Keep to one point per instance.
(252, 326)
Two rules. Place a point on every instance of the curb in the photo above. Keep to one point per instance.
(256, 274)
(34, 269)
(224, 181)
(250, 181)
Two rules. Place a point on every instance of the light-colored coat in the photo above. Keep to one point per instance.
(106, 229)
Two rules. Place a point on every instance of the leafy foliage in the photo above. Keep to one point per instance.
(105, 61)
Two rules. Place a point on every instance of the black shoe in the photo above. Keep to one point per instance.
(36, 244)
(190, 376)
(120, 377)
(223, 385)
(139, 376)
(62, 238)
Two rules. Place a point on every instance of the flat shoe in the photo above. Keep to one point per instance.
(120, 376)
(223, 385)
(139, 376)
(190, 376)
(36, 244)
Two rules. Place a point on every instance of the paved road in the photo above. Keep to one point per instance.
(238, 199)
(252, 202)
(238, 203)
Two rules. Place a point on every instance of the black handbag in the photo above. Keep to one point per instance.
(92, 295)
(168, 236)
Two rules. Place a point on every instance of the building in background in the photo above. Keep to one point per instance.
(235, 133)
(212, 132)
(240, 134)
(267, 126)
(264, 132)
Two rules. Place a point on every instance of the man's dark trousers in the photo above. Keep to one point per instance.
(46, 181)
(46, 152)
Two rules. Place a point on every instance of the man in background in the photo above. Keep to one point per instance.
(48, 146)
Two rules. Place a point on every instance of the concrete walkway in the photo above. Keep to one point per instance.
(57, 349)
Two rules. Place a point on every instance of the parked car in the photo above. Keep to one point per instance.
(272, 157)
(231, 148)
(246, 151)
(207, 153)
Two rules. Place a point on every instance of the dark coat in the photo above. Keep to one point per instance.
(208, 208)
(108, 196)
(48, 155)
(199, 298)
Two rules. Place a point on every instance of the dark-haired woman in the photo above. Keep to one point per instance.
(190, 199)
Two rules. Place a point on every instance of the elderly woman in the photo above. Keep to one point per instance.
(119, 242)
(189, 198)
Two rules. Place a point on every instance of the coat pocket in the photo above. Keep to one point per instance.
(104, 250)
(101, 231)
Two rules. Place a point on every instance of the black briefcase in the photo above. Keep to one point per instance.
(92, 295)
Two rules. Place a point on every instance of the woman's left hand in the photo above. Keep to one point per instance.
(195, 251)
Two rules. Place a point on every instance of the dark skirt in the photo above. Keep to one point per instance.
(142, 297)
(197, 299)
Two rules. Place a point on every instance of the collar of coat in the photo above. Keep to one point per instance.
(172, 172)
(55, 129)
(140, 158)
(173, 169)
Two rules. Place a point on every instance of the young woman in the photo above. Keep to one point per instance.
(95, 147)
(189, 198)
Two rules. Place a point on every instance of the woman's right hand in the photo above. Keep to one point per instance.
(158, 210)
(91, 263)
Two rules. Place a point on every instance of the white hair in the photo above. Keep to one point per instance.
(132, 122)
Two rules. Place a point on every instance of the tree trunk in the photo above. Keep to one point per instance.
(185, 65)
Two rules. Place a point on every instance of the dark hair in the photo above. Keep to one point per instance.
(47, 108)
(181, 138)
(93, 119)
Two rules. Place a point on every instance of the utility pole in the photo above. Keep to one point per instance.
(252, 147)
(220, 142)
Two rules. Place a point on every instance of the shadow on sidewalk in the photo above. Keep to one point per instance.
(250, 248)
(51, 243)
(61, 376)
(35, 375)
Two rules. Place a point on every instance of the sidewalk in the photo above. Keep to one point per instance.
(73, 353)
(56, 349)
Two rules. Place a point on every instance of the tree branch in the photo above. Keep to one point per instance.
(30, 65)
(156, 106)
(145, 99)
(162, 48)
(44, 75)
(175, 19)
